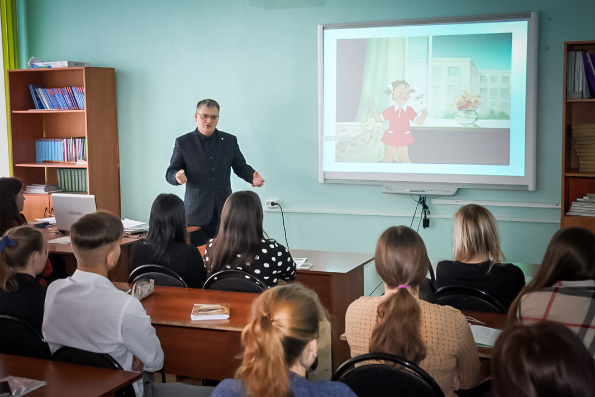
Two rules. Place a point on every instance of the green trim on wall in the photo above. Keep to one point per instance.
(10, 52)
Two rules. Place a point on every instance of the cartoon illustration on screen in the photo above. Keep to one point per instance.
(398, 135)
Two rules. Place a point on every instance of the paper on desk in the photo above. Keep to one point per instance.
(51, 220)
(21, 386)
(130, 224)
(299, 261)
(60, 240)
(484, 335)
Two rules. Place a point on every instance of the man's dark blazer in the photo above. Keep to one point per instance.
(207, 189)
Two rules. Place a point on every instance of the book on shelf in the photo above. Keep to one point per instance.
(58, 64)
(584, 146)
(60, 149)
(72, 179)
(59, 98)
(41, 188)
(210, 311)
(589, 61)
(577, 81)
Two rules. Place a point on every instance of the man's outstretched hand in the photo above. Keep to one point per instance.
(257, 180)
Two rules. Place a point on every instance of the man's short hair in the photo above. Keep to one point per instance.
(210, 103)
(96, 230)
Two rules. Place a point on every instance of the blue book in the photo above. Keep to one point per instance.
(75, 105)
(53, 99)
(41, 95)
(76, 97)
(66, 98)
(36, 101)
(60, 99)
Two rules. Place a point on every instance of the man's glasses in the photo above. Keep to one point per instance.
(205, 117)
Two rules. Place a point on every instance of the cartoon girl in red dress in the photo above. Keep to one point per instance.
(398, 136)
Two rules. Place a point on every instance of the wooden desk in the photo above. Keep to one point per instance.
(120, 272)
(338, 279)
(66, 379)
(198, 349)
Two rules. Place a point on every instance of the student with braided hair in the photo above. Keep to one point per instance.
(280, 344)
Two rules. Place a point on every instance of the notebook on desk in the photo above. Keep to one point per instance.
(68, 208)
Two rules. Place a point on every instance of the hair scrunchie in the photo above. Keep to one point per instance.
(402, 286)
(6, 241)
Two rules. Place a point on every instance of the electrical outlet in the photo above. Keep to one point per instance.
(270, 203)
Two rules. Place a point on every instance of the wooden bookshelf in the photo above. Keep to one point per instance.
(575, 183)
(97, 123)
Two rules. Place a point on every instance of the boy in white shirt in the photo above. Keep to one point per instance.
(88, 312)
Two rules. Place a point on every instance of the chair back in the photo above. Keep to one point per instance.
(234, 280)
(483, 389)
(469, 298)
(19, 338)
(392, 376)
(73, 355)
(161, 274)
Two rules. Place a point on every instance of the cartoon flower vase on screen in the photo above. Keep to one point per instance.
(467, 104)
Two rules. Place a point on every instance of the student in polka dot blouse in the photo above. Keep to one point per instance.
(241, 244)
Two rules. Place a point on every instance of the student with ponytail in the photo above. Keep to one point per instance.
(23, 255)
(280, 344)
(438, 338)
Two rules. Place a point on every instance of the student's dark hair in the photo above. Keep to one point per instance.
(9, 213)
(27, 240)
(284, 319)
(240, 232)
(95, 230)
(570, 256)
(541, 360)
(210, 103)
(167, 224)
(401, 259)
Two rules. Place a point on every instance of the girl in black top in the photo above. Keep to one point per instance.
(165, 244)
(23, 255)
(478, 257)
(241, 243)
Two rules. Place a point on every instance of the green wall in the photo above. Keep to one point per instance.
(258, 58)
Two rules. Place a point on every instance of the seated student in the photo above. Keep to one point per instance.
(12, 202)
(478, 256)
(544, 359)
(438, 338)
(23, 255)
(165, 244)
(88, 312)
(280, 344)
(240, 243)
(563, 290)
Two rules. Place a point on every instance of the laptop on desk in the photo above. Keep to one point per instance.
(68, 208)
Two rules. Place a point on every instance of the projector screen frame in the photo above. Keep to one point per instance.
(524, 182)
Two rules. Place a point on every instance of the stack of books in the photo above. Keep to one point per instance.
(72, 179)
(584, 206)
(584, 144)
(41, 189)
(60, 149)
(580, 75)
(66, 98)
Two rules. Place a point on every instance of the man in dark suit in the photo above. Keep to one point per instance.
(204, 159)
